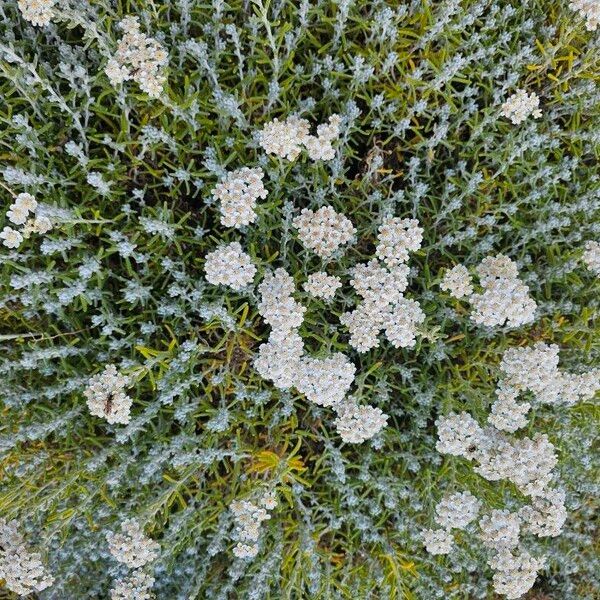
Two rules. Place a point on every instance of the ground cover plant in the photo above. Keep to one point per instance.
(299, 299)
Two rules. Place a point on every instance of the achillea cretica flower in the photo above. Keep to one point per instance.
(588, 10)
(520, 106)
(438, 541)
(106, 397)
(132, 547)
(456, 511)
(136, 586)
(324, 230)
(229, 265)
(357, 423)
(37, 12)
(11, 238)
(22, 571)
(287, 138)
(238, 193)
(138, 57)
(457, 282)
(397, 237)
(591, 256)
(322, 285)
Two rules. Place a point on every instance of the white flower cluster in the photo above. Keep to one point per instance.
(397, 237)
(588, 10)
(458, 435)
(504, 298)
(507, 414)
(321, 285)
(136, 586)
(500, 529)
(526, 462)
(535, 369)
(438, 541)
(134, 549)
(514, 574)
(454, 511)
(286, 138)
(546, 514)
(248, 519)
(323, 231)
(238, 193)
(106, 397)
(324, 381)
(37, 12)
(591, 255)
(277, 305)
(457, 282)
(384, 307)
(357, 423)
(520, 106)
(22, 571)
(229, 265)
(138, 57)
(19, 214)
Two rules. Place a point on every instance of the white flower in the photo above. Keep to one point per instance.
(325, 381)
(504, 298)
(238, 193)
(397, 237)
(11, 237)
(37, 12)
(438, 541)
(535, 369)
(278, 360)
(546, 515)
(324, 230)
(402, 321)
(248, 518)
(379, 286)
(364, 325)
(456, 511)
(26, 202)
(507, 414)
(588, 10)
(459, 435)
(277, 306)
(106, 397)
(355, 423)
(138, 57)
(320, 147)
(16, 215)
(321, 285)
(42, 225)
(245, 550)
(500, 529)
(526, 462)
(591, 256)
(132, 547)
(284, 138)
(22, 571)
(521, 105)
(457, 282)
(229, 265)
(136, 586)
(515, 573)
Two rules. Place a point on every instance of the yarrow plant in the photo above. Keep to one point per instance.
(138, 57)
(299, 299)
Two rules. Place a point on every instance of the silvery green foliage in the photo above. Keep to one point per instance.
(126, 181)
